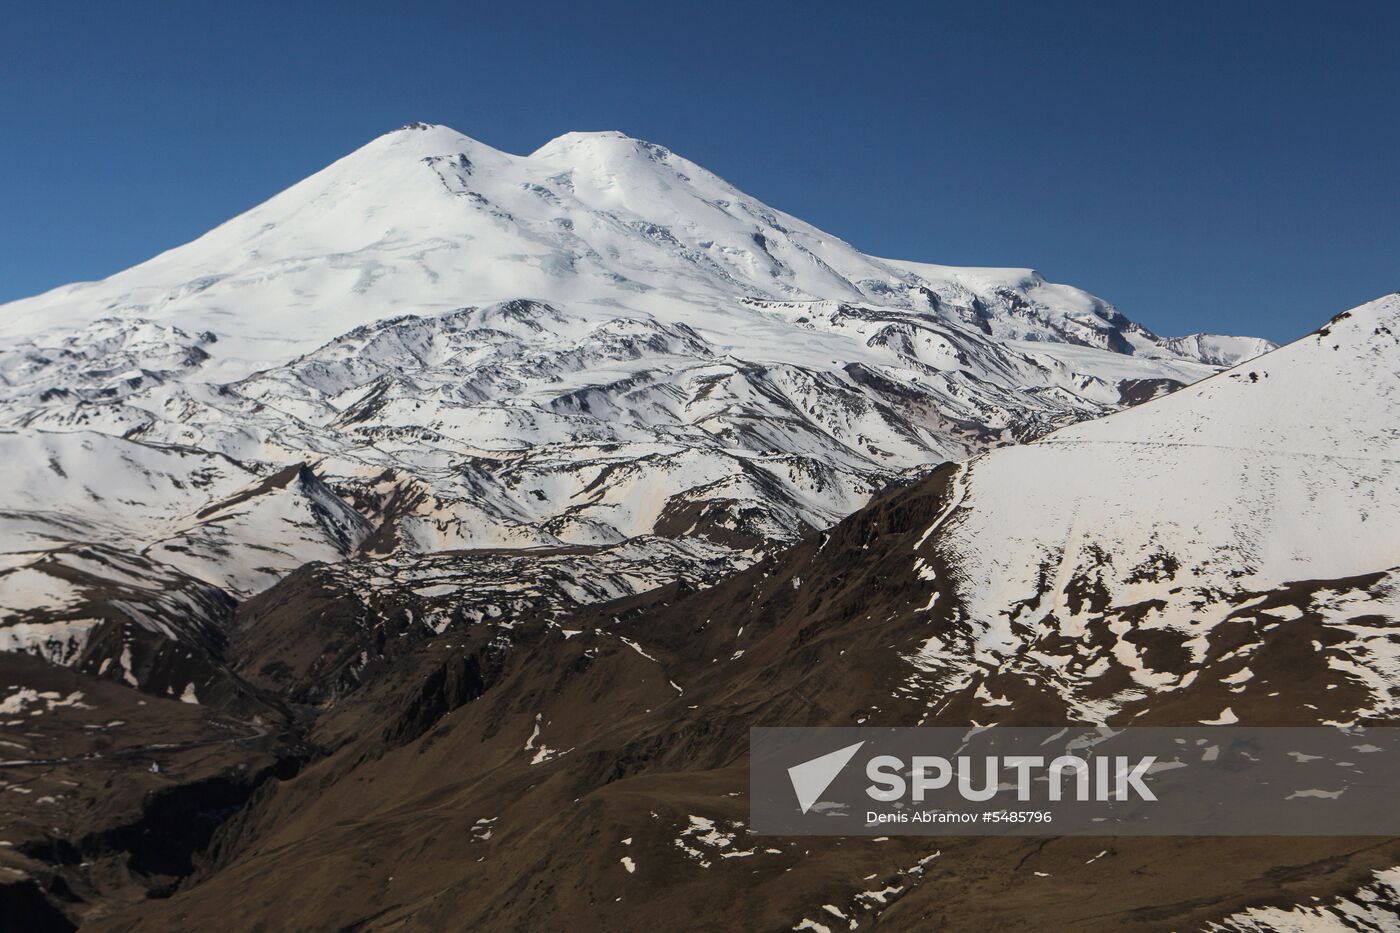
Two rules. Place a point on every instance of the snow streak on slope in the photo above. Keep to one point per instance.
(1373, 906)
(1113, 551)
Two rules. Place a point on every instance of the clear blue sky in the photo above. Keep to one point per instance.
(1206, 166)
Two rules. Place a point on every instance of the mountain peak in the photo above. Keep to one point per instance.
(390, 154)
(599, 143)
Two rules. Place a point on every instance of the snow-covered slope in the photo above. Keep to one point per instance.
(526, 423)
(1217, 348)
(1170, 546)
(93, 487)
(206, 514)
(433, 345)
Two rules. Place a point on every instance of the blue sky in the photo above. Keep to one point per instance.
(1205, 166)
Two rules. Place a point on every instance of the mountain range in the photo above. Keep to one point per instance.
(416, 549)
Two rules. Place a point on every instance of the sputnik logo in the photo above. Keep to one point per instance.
(811, 778)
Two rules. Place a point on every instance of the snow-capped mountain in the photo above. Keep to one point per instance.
(426, 220)
(434, 345)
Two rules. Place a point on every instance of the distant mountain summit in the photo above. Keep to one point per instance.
(425, 219)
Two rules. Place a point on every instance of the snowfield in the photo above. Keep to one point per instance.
(1092, 549)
